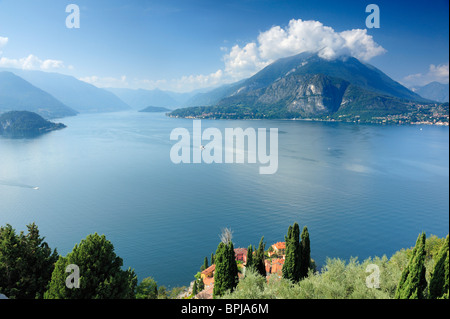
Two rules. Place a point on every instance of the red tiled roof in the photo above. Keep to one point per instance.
(240, 251)
(279, 245)
(209, 270)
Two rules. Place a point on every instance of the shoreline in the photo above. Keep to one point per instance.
(440, 123)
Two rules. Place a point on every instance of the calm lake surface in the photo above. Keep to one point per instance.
(362, 190)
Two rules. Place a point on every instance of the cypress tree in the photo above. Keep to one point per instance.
(234, 272)
(439, 282)
(250, 262)
(226, 272)
(412, 282)
(201, 284)
(205, 264)
(212, 259)
(291, 266)
(259, 260)
(220, 271)
(305, 253)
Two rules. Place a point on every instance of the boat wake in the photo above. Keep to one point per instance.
(15, 184)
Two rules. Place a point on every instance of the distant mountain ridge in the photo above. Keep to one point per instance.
(140, 98)
(306, 86)
(213, 96)
(434, 91)
(78, 95)
(17, 94)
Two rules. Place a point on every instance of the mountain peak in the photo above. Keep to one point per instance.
(308, 85)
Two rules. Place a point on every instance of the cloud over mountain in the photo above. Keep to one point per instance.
(299, 36)
(242, 61)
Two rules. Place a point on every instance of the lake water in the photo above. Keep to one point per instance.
(362, 190)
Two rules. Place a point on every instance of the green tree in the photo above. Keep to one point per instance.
(212, 259)
(233, 264)
(413, 282)
(259, 260)
(26, 263)
(101, 276)
(201, 284)
(205, 264)
(291, 266)
(147, 289)
(250, 262)
(439, 282)
(305, 253)
(226, 273)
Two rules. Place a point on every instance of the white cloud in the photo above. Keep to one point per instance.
(277, 42)
(32, 62)
(104, 82)
(438, 73)
(240, 61)
(193, 82)
(183, 84)
(298, 37)
(243, 62)
(361, 45)
(3, 41)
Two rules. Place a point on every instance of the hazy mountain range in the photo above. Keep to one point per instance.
(140, 98)
(304, 85)
(434, 91)
(16, 94)
(78, 95)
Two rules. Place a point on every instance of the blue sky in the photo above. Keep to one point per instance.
(182, 45)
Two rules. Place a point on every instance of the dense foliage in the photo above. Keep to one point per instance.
(18, 124)
(26, 263)
(30, 269)
(339, 279)
(147, 289)
(439, 282)
(100, 269)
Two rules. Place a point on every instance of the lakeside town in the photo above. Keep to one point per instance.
(274, 261)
